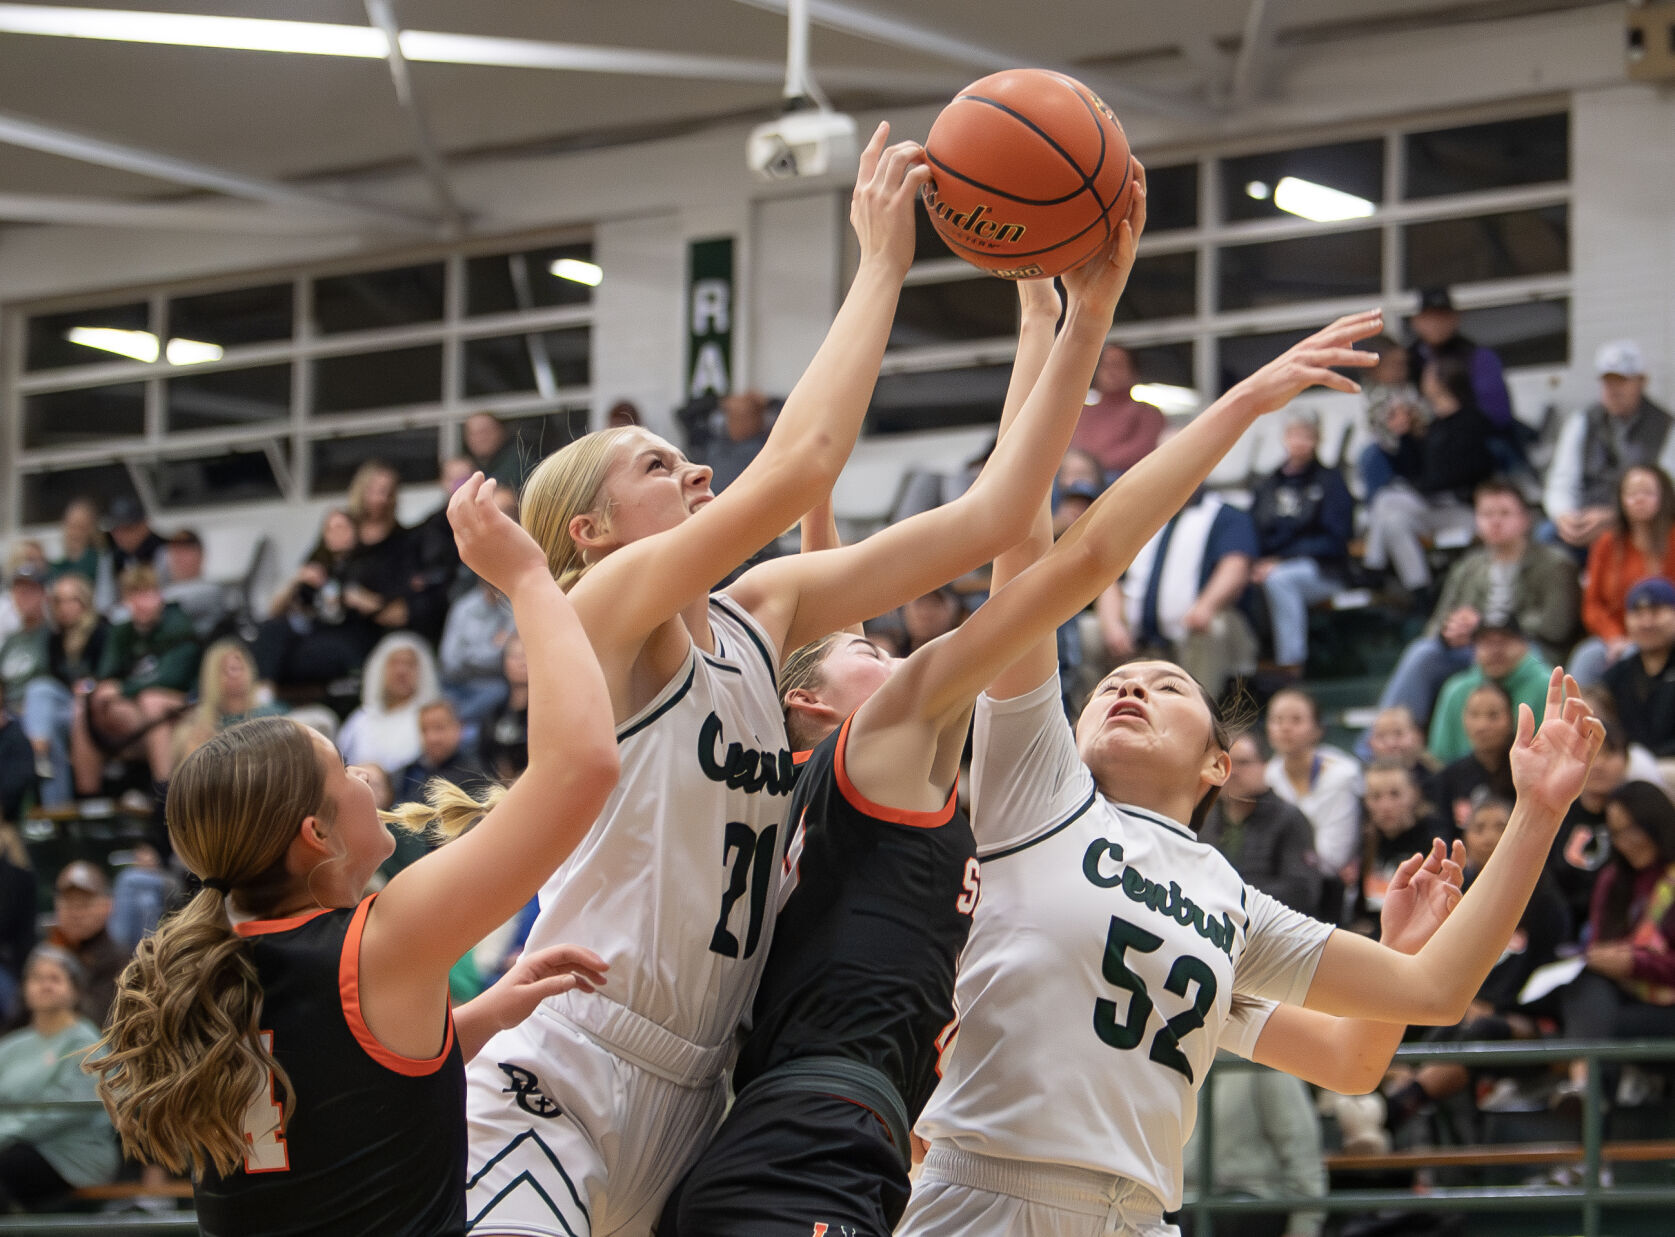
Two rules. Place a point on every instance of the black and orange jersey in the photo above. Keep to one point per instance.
(376, 1141)
(876, 908)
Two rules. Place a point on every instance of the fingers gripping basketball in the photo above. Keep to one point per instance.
(1031, 173)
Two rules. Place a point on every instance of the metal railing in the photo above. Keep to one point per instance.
(1591, 1196)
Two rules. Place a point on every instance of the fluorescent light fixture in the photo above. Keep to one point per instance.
(1257, 189)
(1318, 203)
(1171, 400)
(192, 30)
(142, 345)
(367, 42)
(577, 271)
(191, 352)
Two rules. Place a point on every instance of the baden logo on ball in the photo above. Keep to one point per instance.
(1032, 174)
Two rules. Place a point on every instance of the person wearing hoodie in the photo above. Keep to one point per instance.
(1304, 516)
(400, 677)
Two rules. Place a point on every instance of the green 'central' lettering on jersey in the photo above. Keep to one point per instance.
(1163, 899)
(740, 767)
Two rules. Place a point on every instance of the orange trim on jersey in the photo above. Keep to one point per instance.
(261, 927)
(349, 988)
(801, 758)
(895, 815)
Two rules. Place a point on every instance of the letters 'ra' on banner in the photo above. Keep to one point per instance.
(709, 317)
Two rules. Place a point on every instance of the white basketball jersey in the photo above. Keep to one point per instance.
(1103, 959)
(674, 885)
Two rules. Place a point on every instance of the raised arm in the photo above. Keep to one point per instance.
(1350, 1055)
(1099, 546)
(1434, 987)
(485, 876)
(801, 599)
(640, 586)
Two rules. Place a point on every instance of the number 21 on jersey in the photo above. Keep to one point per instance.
(264, 1146)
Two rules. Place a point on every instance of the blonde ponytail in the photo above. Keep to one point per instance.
(446, 811)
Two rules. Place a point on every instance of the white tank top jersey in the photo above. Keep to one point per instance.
(1103, 959)
(676, 883)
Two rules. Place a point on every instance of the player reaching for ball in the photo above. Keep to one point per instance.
(584, 1117)
(881, 877)
(287, 1040)
(1112, 952)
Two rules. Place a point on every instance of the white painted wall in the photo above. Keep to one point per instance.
(647, 201)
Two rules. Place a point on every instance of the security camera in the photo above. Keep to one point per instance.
(805, 142)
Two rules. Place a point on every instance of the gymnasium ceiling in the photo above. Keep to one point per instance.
(266, 122)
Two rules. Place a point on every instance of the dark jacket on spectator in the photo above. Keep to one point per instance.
(1544, 595)
(1580, 850)
(1309, 515)
(1450, 788)
(18, 910)
(71, 670)
(462, 769)
(1272, 849)
(1544, 926)
(1382, 855)
(1645, 702)
(505, 741)
(17, 769)
(1454, 455)
(165, 656)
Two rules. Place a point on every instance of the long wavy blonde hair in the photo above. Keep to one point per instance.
(182, 1054)
(564, 485)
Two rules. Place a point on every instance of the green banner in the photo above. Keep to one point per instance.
(709, 317)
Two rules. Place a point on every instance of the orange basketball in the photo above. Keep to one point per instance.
(1031, 173)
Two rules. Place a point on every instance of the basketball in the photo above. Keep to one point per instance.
(1031, 173)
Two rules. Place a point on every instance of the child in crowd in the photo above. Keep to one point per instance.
(1399, 823)
(1489, 726)
(1323, 781)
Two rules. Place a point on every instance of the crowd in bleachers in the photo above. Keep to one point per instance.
(1500, 555)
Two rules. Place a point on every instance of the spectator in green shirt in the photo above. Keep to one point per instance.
(23, 654)
(147, 667)
(1502, 655)
(48, 1151)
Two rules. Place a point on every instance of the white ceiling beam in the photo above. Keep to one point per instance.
(1256, 52)
(426, 46)
(382, 16)
(52, 140)
(910, 36)
(211, 216)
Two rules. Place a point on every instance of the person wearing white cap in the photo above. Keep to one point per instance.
(1599, 442)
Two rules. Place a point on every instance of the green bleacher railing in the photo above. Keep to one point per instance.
(1591, 1197)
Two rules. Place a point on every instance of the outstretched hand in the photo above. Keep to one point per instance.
(537, 975)
(881, 210)
(1550, 765)
(490, 542)
(1098, 283)
(1314, 362)
(1422, 894)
